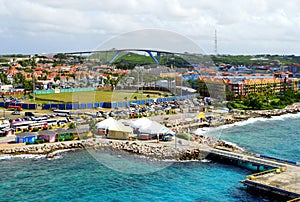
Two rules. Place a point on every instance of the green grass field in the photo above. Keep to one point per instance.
(95, 96)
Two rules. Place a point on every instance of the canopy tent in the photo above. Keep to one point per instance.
(140, 122)
(113, 125)
(153, 128)
(116, 129)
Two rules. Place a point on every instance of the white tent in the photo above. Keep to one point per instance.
(153, 128)
(113, 125)
(142, 122)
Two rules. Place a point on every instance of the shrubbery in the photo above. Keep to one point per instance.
(261, 101)
(39, 141)
(182, 136)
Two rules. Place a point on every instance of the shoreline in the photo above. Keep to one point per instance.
(148, 149)
(246, 121)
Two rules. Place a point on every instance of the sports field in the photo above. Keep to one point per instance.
(96, 96)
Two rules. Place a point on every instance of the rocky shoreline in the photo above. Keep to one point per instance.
(151, 150)
(242, 115)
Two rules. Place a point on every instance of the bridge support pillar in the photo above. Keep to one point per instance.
(115, 57)
(153, 58)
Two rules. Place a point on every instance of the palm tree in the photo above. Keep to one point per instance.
(148, 98)
(125, 99)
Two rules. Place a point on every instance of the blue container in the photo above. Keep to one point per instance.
(54, 106)
(96, 105)
(82, 106)
(32, 106)
(69, 106)
(46, 106)
(75, 106)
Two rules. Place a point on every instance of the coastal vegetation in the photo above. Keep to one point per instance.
(264, 100)
(249, 60)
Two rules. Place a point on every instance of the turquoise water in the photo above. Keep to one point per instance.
(77, 176)
(278, 137)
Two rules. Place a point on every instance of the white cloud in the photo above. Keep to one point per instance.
(243, 26)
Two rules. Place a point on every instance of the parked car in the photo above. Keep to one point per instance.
(29, 114)
(15, 113)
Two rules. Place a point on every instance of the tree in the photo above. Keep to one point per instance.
(28, 84)
(57, 77)
(23, 63)
(125, 99)
(93, 127)
(253, 101)
(112, 81)
(72, 125)
(3, 78)
(60, 56)
(148, 97)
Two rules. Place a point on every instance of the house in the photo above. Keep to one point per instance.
(26, 137)
(6, 88)
(6, 132)
(81, 132)
(63, 134)
(47, 135)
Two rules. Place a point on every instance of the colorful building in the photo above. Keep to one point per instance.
(230, 88)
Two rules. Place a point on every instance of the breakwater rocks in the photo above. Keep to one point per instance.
(276, 112)
(156, 151)
(41, 148)
(266, 113)
(151, 150)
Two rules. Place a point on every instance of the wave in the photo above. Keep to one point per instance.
(22, 156)
(249, 121)
(233, 145)
(286, 116)
(183, 161)
(50, 156)
(60, 151)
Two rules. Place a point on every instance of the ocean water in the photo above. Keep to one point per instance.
(78, 176)
(278, 136)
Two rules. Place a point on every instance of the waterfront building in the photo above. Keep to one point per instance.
(26, 137)
(233, 87)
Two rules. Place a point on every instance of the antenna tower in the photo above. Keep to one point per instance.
(216, 43)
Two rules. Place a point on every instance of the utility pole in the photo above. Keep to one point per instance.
(33, 79)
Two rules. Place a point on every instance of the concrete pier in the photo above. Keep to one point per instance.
(284, 181)
(281, 178)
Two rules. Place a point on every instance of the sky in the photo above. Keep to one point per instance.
(243, 26)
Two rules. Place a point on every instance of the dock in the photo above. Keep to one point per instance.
(274, 176)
